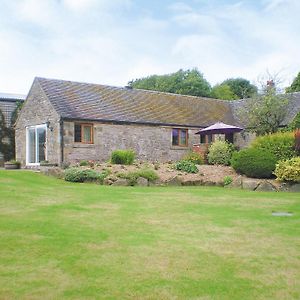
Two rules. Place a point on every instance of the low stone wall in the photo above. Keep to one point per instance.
(266, 185)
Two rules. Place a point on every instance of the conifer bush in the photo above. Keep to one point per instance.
(253, 162)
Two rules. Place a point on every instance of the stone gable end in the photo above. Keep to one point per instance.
(38, 110)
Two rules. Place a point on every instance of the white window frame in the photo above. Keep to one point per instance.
(35, 127)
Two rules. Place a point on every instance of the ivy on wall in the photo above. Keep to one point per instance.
(7, 134)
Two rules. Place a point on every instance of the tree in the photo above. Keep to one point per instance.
(223, 91)
(241, 87)
(265, 112)
(189, 82)
(7, 134)
(295, 86)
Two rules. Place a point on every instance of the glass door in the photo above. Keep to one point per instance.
(36, 144)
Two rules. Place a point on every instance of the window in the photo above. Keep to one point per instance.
(83, 133)
(179, 137)
(202, 139)
(206, 139)
(36, 144)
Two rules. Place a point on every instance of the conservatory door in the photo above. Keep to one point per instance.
(36, 144)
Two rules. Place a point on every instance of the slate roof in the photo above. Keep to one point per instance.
(85, 101)
(7, 97)
(95, 102)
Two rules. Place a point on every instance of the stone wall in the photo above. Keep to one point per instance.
(243, 139)
(38, 110)
(151, 143)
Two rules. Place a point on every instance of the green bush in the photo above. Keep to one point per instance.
(186, 166)
(122, 157)
(80, 175)
(288, 170)
(195, 158)
(15, 162)
(281, 144)
(227, 180)
(146, 173)
(255, 163)
(83, 163)
(219, 153)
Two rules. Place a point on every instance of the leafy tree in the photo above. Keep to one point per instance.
(241, 87)
(223, 91)
(265, 112)
(295, 124)
(189, 82)
(295, 86)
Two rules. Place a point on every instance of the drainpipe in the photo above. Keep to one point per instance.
(61, 127)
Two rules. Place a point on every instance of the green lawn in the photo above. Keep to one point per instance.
(82, 241)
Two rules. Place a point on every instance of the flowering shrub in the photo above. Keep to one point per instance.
(281, 144)
(288, 170)
(219, 153)
(195, 158)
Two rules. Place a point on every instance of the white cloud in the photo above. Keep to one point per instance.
(112, 42)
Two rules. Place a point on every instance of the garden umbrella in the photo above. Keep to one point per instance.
(220, 128)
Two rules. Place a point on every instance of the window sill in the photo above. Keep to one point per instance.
(179, 147)
(81, 145)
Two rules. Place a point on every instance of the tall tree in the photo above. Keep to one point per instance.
(223, 91)
(241, 87)
(265, 112)
(189, 82)
(295, 86)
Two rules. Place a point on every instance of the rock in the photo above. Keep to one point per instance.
(121, 182)
(266, 186)
(142, 181)
(108, 181)
(209, 183)
(53, 171)
(236, 183)
(250, 184)
(196, 182)
(294, 188)
(174, 181)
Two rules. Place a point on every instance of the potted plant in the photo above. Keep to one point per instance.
(12, 165)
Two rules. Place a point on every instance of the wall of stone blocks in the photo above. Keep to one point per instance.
(38, 110)
(151, 143)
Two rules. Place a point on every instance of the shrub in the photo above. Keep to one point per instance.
(65, 165)
(122, 157)
(83, 163)
(227, 180)
(79, 175)
(253, 162)
(15, 162)
(146, 173)
(186, 166)
(297, 140)
(288, 170)
(219, 153)
(195, 158)
(281, 144)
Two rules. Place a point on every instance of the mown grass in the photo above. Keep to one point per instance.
(82, 241)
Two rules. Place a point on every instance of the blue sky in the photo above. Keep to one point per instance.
(114, 41)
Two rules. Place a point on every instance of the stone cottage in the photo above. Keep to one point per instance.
(65, 121)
